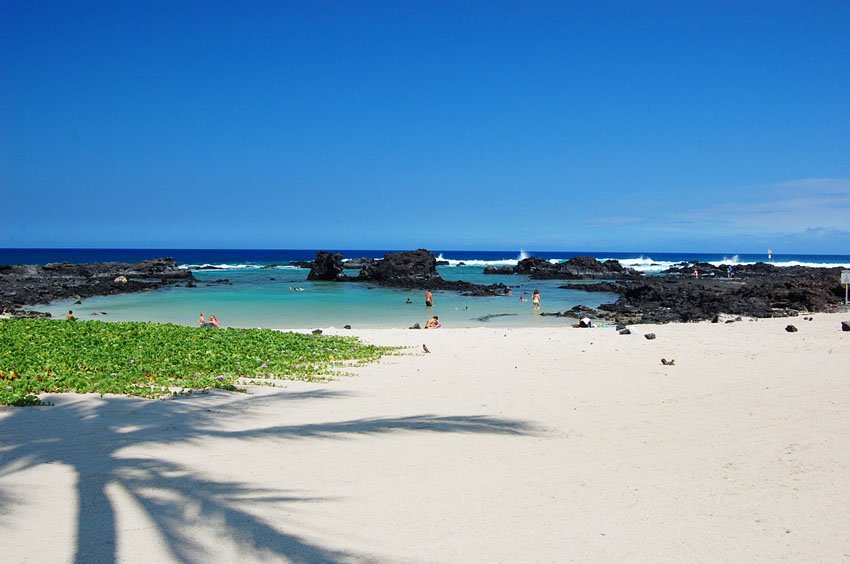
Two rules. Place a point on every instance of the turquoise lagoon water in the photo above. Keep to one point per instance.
(253, 299)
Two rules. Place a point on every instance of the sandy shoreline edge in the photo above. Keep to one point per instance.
(501, 444)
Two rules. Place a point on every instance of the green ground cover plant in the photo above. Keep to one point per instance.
(154, 360)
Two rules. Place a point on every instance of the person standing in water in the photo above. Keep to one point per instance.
(535, 299)
(429, 298)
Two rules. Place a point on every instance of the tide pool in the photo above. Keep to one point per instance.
(269, 298)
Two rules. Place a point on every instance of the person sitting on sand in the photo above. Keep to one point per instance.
(215, 322)
(70, 316)
(202, 320)
(433, 323)
(535, 299)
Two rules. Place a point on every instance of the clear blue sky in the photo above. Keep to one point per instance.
(676, 126)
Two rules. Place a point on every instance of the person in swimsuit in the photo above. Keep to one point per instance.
(535, 299)
(201, 320)
(433, 323)
(429, 299)
(215, 322)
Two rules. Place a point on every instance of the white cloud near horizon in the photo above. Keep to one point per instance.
(806, 215)
(783, 207)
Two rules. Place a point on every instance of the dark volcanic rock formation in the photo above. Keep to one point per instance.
(358, 263)
(418, 270)
(755, 291)
(577, 268)
(498, 269)
(326, 266)
(410, 269)
(706, 269)
(22, 285)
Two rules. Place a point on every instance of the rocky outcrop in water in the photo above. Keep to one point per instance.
(759, 290)
(577, 268)
(358, 263)
(326, 266)
(415, 270)
(498, 269)
(24, 285)
(418, 270)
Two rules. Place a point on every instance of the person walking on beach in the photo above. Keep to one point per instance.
(429, 298)
(535, 299)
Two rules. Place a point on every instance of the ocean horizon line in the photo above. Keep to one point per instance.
(435, 250)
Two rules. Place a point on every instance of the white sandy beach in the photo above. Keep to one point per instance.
(501, 445)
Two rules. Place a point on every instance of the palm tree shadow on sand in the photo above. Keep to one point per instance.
(63, 434)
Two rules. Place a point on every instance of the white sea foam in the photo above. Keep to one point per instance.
(225, 266)
(645, 264)
(784, 263)
(733, 260)
(642, 263)
(482, 263)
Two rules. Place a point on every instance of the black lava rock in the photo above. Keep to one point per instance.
(29, 285)
(327, 266)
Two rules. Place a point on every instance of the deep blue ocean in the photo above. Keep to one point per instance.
(256, 295)
(268, 256)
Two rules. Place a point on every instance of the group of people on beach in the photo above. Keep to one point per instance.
(434, 322)
(212, 322)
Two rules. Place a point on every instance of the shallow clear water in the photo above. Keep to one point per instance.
(254, 300)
